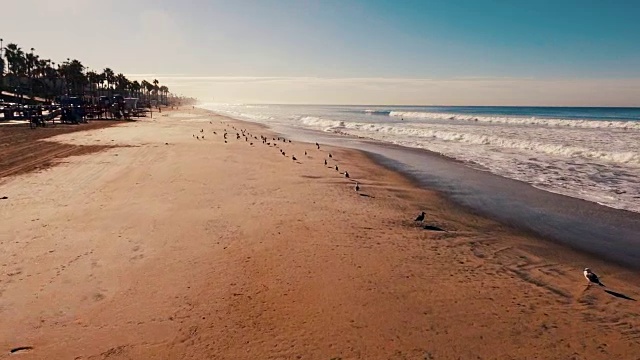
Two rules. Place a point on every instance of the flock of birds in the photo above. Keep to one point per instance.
(248, 137)
(274, 141)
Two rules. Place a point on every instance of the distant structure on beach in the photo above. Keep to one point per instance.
(25, 77)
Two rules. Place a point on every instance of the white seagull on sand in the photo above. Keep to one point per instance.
(593, 278)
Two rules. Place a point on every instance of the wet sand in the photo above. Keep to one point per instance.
(170, 247)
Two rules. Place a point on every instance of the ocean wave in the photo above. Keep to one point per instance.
(577, 123)
(377, 112)
(320, 123)
(625, 157)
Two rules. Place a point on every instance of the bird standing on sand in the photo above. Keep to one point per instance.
(318, 145)
(305, 153)
(346, 174)
(294, 158)
(420, 217)
(325, 161)
(593, 278)
(330, 155)
(337, 168)
(357, 187)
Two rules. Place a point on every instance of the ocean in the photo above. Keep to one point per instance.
(585, 153)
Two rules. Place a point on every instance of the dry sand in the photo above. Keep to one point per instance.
(173, 248)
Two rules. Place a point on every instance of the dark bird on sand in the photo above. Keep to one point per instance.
(318, 146)
(357, 187)
(197, 137)
(215, 133)
(284, 153)
(592, 277)
(305, 153)
(4, 198)
(346, 174)
(225, 141)
(420, 217)
(250, 143)
(337, 168)
(325, 161)
(330, 155)
(293, 158)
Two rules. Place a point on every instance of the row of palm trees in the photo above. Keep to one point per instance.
(29, 74)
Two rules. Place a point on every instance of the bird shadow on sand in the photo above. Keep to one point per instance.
(366, 195)
(619, 295)
(433, 228)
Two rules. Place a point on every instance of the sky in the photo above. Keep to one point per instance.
(475, 52)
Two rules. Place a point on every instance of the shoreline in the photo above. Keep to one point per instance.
(587, 226)
(630, 269)
(170, 246)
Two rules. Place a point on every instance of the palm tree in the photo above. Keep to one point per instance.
(15, 59)
(109, 77)
(156, 87)
(121, 82)
(149, 87)
(73, 73)
(144, 85)
(135, 87)
(94, 79)
(164, 91)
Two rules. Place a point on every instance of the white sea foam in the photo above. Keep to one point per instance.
(578, 123)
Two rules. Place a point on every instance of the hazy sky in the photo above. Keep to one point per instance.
(476, 52)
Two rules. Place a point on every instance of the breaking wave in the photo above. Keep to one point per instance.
(577, 123)
(367, 129)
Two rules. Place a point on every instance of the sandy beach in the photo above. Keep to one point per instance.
(159, 245)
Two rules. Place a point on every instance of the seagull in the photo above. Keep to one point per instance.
(357, 187)
(420, 217)
(592, 277)
(346, 174)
